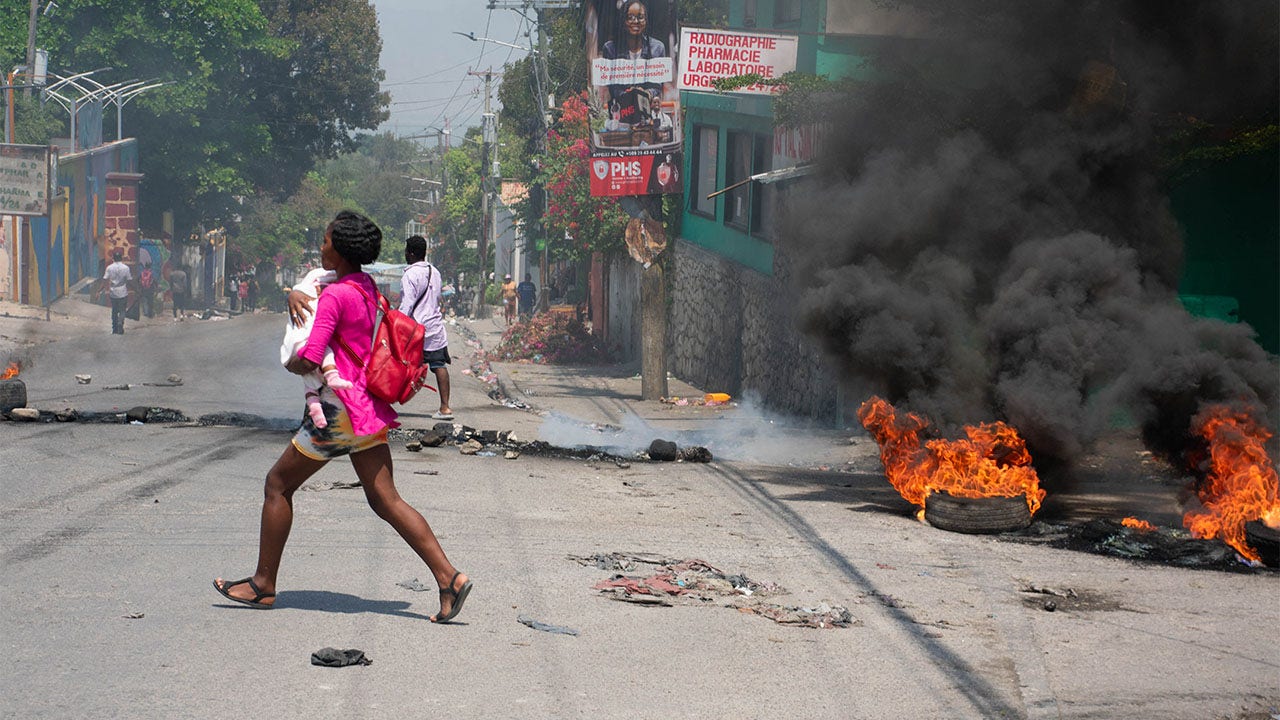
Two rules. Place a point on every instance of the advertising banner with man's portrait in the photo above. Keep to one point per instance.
(635, 124)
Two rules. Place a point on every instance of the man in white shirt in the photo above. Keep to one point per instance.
(117, 279)
(420, 299)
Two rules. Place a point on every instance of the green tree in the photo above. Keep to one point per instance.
(576, 223)
(259, 90)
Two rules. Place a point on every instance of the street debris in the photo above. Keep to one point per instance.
(511, 455)
(662, 450)
(332, 657)
(134, 616)
(414, 585)
(709, 400)
(544, 627)
(1164, 545)
(338, 485)
(25, 414)
(84, 379)
(551, 339)
(426, 472)
(667, 451)
(695, 582)
(470, 447)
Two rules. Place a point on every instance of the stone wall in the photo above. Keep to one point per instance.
(731, 329)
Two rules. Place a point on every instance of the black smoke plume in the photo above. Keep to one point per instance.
(990, 236)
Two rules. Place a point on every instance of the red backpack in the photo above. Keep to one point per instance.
(395, 371)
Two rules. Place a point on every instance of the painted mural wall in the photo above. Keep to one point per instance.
(69, 245)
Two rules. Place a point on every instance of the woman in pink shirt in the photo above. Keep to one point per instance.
(357, 426)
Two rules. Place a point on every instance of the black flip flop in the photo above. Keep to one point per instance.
(459, 597)
(258, 596)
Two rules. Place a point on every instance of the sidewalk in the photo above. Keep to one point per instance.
(602, 406)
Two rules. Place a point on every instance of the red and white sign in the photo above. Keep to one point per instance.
(635, 174)
(707, 55)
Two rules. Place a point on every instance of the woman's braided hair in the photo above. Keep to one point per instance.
(355, 237)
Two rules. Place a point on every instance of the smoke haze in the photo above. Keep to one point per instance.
(991, 237)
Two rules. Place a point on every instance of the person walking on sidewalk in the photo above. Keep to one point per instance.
(117, 277)
(358, 427)
(528, 293)
(420, 299)
(178, 290)
(509, 299)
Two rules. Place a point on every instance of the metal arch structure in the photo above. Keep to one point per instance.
(89, 89)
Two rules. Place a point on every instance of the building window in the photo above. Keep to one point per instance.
(749, 13)
(706, 156)
(786, 11)
(749, 206)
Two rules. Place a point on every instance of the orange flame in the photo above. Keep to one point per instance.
(1136, 524)
(992, 462)
(1241, 483)
(11, 371)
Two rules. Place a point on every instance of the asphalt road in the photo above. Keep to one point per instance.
(111, 533)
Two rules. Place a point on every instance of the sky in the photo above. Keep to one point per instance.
(426, 64)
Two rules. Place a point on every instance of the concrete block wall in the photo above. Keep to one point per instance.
(732, 330)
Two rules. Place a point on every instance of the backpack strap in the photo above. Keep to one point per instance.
(377, 321)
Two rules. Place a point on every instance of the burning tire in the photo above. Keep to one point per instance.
(1265, 540)
(984, 515)
(13, 394)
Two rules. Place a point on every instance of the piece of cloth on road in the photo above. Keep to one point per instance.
(332, 657)
(545, 627)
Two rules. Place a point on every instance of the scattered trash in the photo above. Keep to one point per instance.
(544, 627)
(117, 387)
(716, 398)
(695, 582)
(23, 413)
(694, 453)
(339, 485)
(426, 472)
(486, 453)
(332, 657)
(511, 454)
(136, 422)
(84, 379)
(470, 447)
(415, 585)
(134, 616)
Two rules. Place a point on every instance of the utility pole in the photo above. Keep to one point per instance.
(31, 45)
(489, 136)
(542, 80)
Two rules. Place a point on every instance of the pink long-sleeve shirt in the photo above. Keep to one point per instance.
(343, 312)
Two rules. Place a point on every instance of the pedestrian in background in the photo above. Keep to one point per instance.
(147, 289)
(420, 299)
(242, 292)
(358, 425)
(117, 278)
(178, 286)
(528, 293)
(253, 294)
(509, 298)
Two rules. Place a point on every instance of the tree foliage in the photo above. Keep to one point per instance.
(576, 223)
(258, 90)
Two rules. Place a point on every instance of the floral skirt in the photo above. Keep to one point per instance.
(336, 439)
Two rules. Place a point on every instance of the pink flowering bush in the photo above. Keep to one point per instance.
(591, 224)
(551, 339)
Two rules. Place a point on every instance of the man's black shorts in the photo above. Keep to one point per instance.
(436, 359)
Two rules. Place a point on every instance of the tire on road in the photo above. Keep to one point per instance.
(985, 515)
(1265, 540)
(13, 394)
